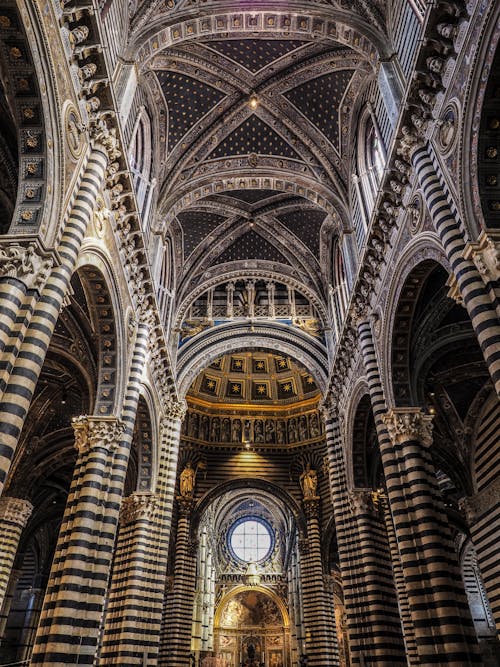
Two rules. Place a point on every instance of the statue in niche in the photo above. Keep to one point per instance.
(225, 430)
(314, 426)
(204, 428)
(193, 425)
(270, 431)
(309, 482)
(258, 431)
(303, 432)
(281, 433)
(236, 436)
(215, 432)
(292, 430)
(247, 431)
(187, 481)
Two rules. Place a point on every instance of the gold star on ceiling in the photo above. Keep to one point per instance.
(261, 389)
(310, 380)
(235, 388)
(259, 365)
(287, 387)
(210, 384)
(282, 363)
(238, 363)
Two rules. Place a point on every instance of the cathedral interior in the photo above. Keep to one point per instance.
(250, 333)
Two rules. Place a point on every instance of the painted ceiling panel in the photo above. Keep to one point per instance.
(188, 100)
(254, 54)
(305, 224)
(254, 136)
(319, 100)
(251, 246)
(196, 225)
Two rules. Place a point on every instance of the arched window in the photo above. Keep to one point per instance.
(371, 159)
(140, 157)
(165, 281)
(339, 287)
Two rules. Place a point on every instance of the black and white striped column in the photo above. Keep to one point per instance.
(319, 624)
(69, 623)
(371, 605)
(72, 612)
(14, 515)
(23, 272)
(444, 632)
(175, 646)
(133, 615)
(476, 299)
(131, 629)
(443, 629)
(399, 582)
(18, 389)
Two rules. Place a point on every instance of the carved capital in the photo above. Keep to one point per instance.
(485, 254)
(406, 424)
(15, 510)
(454, 291)
(90, 432)
(136, 507)
(26, 263)
(105, 138)
(311, 507)
(186, 505)
(409, 142)
(174, 410)
(361, 501)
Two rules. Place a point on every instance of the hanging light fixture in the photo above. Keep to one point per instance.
(253, 101)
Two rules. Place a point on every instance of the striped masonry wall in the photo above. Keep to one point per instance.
(132, 624)
(373, 623)
(14, 515)
(485, 506)
(476, 298)
(175, 645)
(69, 625)
(319, 625)
(444, 633)
(18, 392)
(399, 581)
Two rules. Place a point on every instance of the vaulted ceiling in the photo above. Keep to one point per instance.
(257, 111)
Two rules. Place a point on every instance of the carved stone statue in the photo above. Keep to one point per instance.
(270, 431)
(314, 426)
(281, 436)
(258, 431)
(309, 482)
(187, 481)
(236, 431)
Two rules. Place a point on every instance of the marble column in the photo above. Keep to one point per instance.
(319, 623)
(14, 515)
(175, 645)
